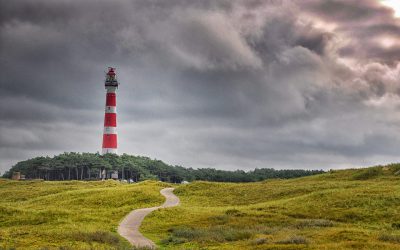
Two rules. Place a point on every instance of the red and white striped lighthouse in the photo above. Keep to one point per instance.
(110, 116)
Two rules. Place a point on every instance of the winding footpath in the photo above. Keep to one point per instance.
(129, 226)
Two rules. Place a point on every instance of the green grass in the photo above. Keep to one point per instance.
(347, 209)
(71, 214)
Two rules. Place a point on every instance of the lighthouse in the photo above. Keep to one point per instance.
(110, 116)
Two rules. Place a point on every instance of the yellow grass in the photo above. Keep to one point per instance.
(351, 209)
(71, 214)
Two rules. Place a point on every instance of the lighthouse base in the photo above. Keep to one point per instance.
(109, 151)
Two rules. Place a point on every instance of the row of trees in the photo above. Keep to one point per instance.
(88, 166)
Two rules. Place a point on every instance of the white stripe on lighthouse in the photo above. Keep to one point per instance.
(110, 130)
(109, 150)
(111, 109)
(111, 89)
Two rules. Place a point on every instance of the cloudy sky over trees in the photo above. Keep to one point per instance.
(225, 84)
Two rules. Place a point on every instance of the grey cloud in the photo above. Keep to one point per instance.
(364, 25)
(227, 84)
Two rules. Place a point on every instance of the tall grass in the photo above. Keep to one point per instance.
(71, 214)
(345, 209)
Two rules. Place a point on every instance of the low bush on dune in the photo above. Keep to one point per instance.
(218, 234)
(294, 239)
(314, 223)
(97, 236)
(368, 173)
(260, 241)
(393, 238)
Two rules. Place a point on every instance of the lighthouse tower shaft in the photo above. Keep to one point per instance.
(110, 144)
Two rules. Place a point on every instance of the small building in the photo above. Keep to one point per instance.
(16, 176)
(114, 175)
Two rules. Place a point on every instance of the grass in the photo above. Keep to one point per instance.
(71, 214)
(346, 209)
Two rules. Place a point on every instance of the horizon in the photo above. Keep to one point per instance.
(230, 85)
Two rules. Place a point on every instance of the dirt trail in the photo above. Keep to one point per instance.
(129, 226)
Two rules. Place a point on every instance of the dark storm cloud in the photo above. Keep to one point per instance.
(346, 11)
(366, 26)
(226, 84)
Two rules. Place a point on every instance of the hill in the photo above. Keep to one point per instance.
(87, 166)
(347, 209)
(69, 214)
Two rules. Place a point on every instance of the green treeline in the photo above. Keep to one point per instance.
(89, 166)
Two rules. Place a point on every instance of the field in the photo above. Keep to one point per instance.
(347, 209)
(71, 214)
(350, 209)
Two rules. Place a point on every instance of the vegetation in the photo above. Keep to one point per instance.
(346, 209)
(69, 214)
(86, 166)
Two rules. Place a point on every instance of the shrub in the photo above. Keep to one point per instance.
(394, 168)
(232, 234)
(232, 212)
(220, 219)
(218, 234)
(367, 173)
(187, 233)
(315, 223)
(294, 239)
(173, 240)
(389, 238)
(97, 236)
(260, 241)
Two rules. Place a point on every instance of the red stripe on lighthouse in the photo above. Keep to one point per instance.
(110, 141)
(110, 119)
(111, 99)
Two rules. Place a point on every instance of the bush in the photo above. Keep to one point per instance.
(394, 168)
(235, 234)
(368, 173)
(97, 236)
(188, 233)
(389, 238)
(315, 223)
(220, 219)
(260, 241)
(294, 239)
(218, 234)
(232, 212)
(172, 240)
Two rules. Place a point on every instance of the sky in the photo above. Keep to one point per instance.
(227, 84)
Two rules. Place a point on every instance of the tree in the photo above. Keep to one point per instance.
(80, 166)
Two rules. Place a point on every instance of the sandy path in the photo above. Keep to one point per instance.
(129, 226)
